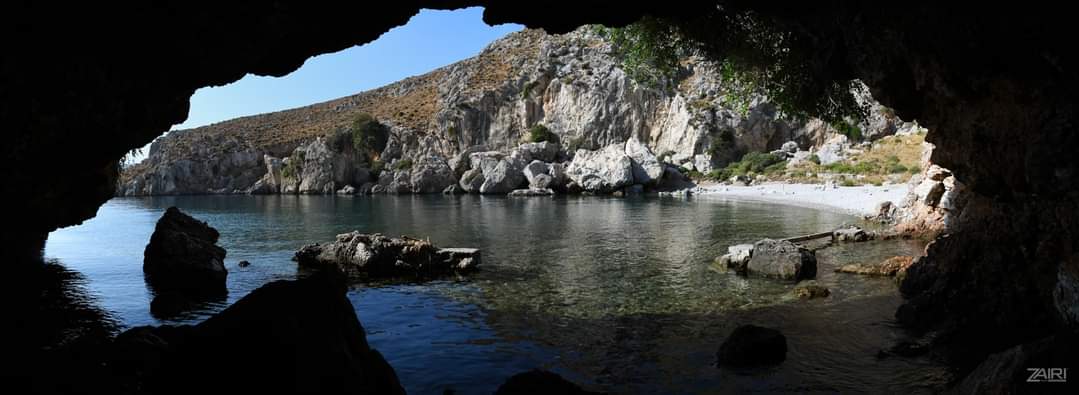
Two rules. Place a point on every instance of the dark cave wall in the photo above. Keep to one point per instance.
(85, 83)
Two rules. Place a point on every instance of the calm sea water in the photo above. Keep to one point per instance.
(618, 294)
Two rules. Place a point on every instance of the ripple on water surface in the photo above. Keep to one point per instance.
(620, 294)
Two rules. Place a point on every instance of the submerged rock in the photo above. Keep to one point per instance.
(811, 290)
(782, 259)
(183, 255)
(304, 334)
(540, 382)
(751, 345)
(364, 255)
(889, 267)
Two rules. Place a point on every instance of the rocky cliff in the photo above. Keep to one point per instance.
(572, 84)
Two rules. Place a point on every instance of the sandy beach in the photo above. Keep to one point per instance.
(857, 200)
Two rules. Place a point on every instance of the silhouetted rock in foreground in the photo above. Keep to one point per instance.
(751, 345)
(1037, 367)
(183, 255)
(286, 337)
(537, 382)
(374, 255)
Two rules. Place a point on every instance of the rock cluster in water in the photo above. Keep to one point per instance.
(771, 258)
(363, 255)
(890, 267)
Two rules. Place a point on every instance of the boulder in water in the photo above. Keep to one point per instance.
(782, 259)
(183, 255)
(751, 345)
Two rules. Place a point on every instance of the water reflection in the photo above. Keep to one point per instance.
(619, 293)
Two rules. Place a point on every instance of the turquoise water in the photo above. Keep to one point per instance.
(618, 294)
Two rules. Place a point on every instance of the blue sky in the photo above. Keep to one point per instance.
(429, 40)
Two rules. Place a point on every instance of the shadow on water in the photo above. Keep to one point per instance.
(675, 353)
(620, 294)
(54, 332)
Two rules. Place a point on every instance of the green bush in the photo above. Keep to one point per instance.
(720, 174)
(848, 183)
(539, 133)
(295, 164)
(369, 135)
(755, 162)
(376, 168)
(814, 158)
(897, 168)
(403, 164)
(721, 143)
(848, 129)
(526, 91)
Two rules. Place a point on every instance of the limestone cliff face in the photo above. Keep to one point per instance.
(572, 84)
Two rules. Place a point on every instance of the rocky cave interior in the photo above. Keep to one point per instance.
(86, 83)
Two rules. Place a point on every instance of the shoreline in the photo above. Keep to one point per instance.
(856, 200)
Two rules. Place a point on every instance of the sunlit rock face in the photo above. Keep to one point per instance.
(572, 85)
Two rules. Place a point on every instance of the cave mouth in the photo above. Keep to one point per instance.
(1014, 245)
